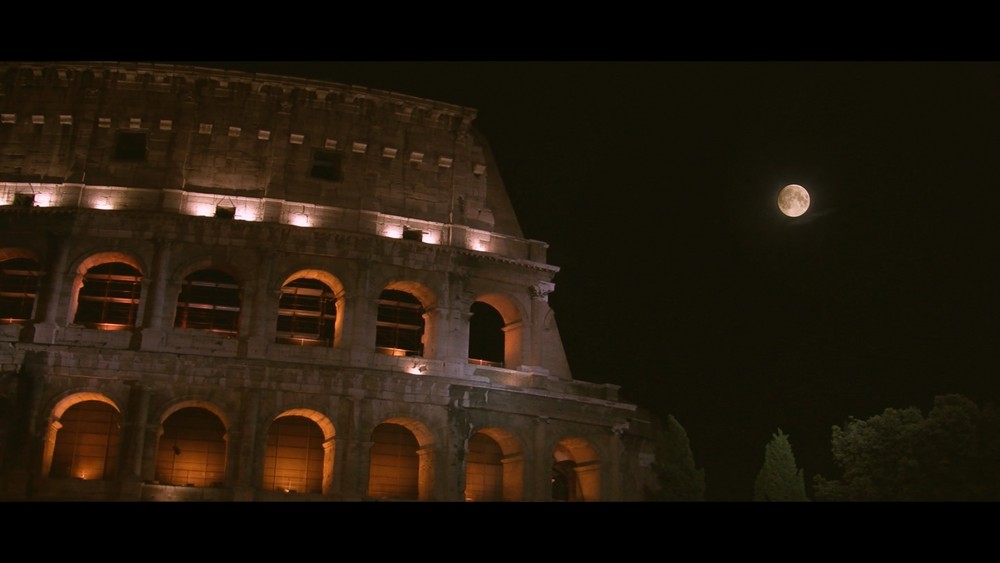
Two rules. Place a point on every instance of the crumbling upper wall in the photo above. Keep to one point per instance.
(253, 135)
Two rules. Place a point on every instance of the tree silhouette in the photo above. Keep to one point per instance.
(676, 473)
(900, 455)
(779, 479)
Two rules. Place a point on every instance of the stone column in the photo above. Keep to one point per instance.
(540, 465)
(611, 483)
(539, 309)
(443, 339)
(455, 450)
(241, 463)
(264, 309)
(51, 295)
(354, 451)
(133, 434)
(154, 331)
(425, 474)
(329, 455)
(362, 312)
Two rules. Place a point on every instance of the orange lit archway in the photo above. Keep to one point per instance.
(192, 447)
(401, 462)
(299, 453)
(494, 466)
(311, 309)
(511, 335)
(576, 471)
(82, 438)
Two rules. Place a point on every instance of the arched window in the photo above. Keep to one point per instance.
(576, 471)
(109, 297)
(400, 327)
(209, 300)
(395, 465)
(87, 443)
(192, 449)
(486, 337)
(293, 459)
(19, 280)
(484, 469)
(307, 313)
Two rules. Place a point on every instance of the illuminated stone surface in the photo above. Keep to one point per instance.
(195, 411)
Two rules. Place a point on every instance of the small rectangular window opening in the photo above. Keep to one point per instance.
(24, 200)
(225, 212)
(326, 166)
(413, 234)
(130, 146)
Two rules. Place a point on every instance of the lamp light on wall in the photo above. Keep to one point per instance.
(103, 202)
(392, 231)
(43, 200)
(417, 368)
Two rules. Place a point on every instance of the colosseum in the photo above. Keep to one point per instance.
(229, 286)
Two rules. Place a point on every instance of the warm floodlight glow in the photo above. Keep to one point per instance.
(103, 202)
(43, 200)
(299, 220)
(431, 237)
(244, 213)
(202, 209)
(416, 368)
(793, 200)
(392, 231)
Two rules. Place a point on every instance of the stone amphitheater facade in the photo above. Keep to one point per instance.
(229, 286)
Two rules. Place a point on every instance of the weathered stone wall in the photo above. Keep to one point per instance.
(57, 139)
(229, 133)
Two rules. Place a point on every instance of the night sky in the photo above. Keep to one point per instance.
(655, 183)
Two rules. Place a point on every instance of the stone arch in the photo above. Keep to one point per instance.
(576, 470)
(299, 452)
(88, 461)
(224, 313)
(93, 259)
(336, 288)
(192, 445)
(494, 467)
(427, 297)
(10, 253)
(184, 403)
(512, 332)
(20, 283)
(401, 328)
(401, 460)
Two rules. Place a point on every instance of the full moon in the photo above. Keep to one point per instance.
(793, 200)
